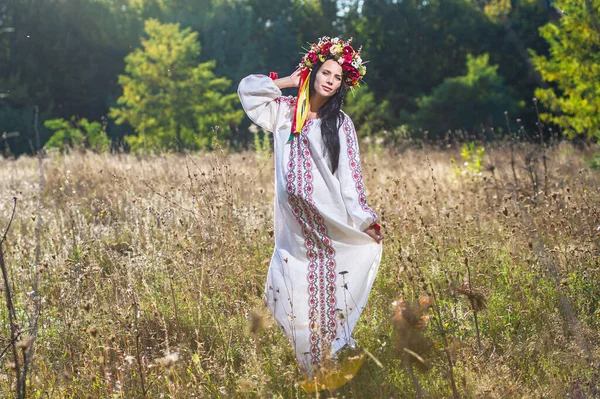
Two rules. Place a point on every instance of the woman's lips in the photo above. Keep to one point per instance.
(326, 88)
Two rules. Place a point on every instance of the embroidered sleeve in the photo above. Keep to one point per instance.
(351, 179)
(261, 100)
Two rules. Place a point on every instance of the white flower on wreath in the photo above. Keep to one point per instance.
(340, 60)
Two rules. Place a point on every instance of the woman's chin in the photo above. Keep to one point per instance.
(326, 94)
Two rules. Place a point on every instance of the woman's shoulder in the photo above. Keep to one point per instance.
(345, 117)
(346, 121)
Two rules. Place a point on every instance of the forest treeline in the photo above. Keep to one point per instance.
(162, 74)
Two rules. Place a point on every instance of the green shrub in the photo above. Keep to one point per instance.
(77, 134)
(466, 102)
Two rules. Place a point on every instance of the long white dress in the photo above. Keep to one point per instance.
(323, 265)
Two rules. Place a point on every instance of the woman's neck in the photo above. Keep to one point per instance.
(315, 103)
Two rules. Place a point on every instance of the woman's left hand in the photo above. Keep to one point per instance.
(374, 234)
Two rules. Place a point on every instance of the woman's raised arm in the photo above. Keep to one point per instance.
(258, 95)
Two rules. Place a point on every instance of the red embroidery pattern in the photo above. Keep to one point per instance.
(356, 170)
(290, 100)
(319, 247)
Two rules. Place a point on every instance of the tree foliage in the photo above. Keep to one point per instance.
(62, 56)
(466, 102)
(415, 45)
(573, 69)
(65, 56)
(369, 115)
(77, 134)
(171, 101)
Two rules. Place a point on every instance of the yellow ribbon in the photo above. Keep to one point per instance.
(302, 104)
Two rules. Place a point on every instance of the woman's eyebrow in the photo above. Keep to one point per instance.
(327, 70)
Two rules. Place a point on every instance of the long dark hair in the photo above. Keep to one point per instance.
(331, 119)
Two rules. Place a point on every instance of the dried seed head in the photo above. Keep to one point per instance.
(169, 360)
(25, 343)
(426, 302)
(246, 385)
(66, 374)
(94, 331)
(255, 321)
(409, 321)
(476, 299)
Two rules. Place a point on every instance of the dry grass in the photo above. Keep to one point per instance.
(152, 273)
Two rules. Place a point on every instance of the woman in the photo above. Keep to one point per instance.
(327, 240)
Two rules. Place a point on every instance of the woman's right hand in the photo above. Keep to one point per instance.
(295, 77)
(289, 81)
(375, 234)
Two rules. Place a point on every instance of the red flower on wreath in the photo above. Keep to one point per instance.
(325, 49)
(348, 52)
(353, 74)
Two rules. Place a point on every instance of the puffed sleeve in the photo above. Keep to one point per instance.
(259, 97)
(351, 180)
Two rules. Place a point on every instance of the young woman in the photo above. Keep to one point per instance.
(327, 240)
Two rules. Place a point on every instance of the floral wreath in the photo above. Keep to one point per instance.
(340, 51)
(335, 49)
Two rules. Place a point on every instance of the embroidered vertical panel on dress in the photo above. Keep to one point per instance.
(352, 145)
(320, 253)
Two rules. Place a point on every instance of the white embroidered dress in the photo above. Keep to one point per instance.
(323, 265)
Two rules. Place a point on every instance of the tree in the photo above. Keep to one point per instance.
(369, 116)
(573, 70)
(62, 56)
(415, 45)
(465, 102)
(519, 21)
(171, 101)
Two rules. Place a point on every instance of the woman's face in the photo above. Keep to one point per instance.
(329, 79)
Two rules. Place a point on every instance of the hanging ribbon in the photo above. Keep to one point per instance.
(302, 104)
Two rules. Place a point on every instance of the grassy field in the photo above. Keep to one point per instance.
(151, 272)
